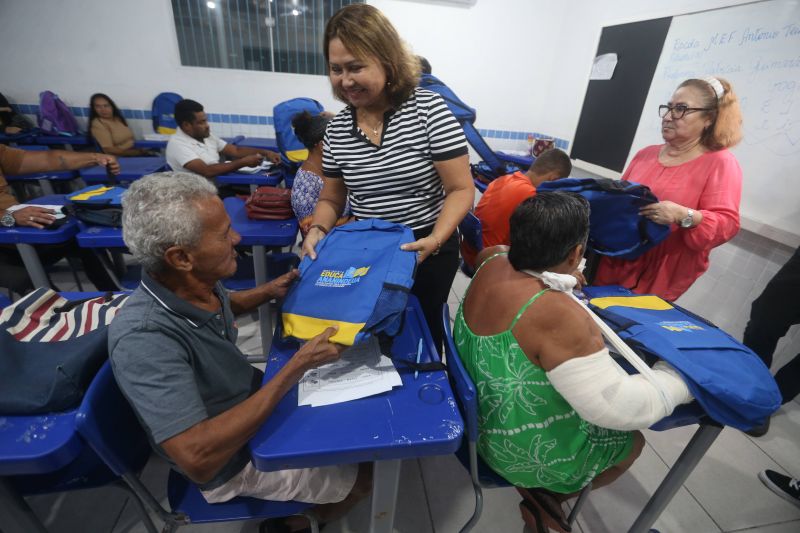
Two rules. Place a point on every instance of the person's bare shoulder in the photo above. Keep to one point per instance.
(556, 329)
(486, 253)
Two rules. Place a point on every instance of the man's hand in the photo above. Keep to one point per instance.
(12, 130)
(34, 217)
(108, 161)
(279, 286)
(252, 160)
(273, 157)
(318, 351)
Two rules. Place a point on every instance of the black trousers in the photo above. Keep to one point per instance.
(772, 314)
(433, 281)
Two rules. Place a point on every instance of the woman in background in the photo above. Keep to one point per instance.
(396, 152)
(310, 129)
(698, 182)
(109, 128)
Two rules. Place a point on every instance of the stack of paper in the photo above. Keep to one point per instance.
(362, 371)
(263, 167)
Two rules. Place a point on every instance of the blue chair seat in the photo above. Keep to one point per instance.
(185, 497)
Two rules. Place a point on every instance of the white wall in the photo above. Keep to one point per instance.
(129, 50)
(523, 64)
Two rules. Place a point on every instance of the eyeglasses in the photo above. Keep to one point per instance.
(678, 110)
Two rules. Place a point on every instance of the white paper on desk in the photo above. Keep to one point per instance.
(57, 208)
(266, 165)
(603, 67)
(362, 371)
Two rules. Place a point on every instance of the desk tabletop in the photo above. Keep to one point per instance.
(253, 232)
(260, 232)
(38, 444)
(27, 235)
(265, 143)
(418, 419)
(131, 168)
(77, 140)
(240, 178)
(62, 175)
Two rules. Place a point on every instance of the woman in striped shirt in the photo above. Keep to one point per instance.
(395, 152)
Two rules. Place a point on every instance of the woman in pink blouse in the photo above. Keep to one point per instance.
(699, 183)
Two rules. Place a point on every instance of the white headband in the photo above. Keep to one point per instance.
(715, 84)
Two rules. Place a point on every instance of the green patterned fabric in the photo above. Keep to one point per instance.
(529, 434)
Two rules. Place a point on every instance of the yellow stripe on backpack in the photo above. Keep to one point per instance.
(306, 327)
(639, 302)
(90, 194)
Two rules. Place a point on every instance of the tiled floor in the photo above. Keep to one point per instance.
(722, 495)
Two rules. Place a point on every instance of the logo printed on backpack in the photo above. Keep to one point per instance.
(338, 278)
(679, 326)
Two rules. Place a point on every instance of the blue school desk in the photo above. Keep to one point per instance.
(131, 169)
(263, 143)
(418, 419)
(271, 178)
(26, 237)
(44, 179)
(261, 234)
(523, 161)
(68, 141)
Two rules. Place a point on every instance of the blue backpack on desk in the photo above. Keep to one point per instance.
(616, 228)
(359, 282)
(728, 380)
(99, 205)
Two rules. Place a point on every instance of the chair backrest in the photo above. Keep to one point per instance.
(163, 113)
(108, 424)
(470, 228)
(466, 394)
(292, 149)
(471, 242)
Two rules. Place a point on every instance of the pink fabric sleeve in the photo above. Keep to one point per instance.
(719, 204)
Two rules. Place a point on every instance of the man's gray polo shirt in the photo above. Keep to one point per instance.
(179, 365)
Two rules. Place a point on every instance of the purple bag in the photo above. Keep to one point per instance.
(54, 115)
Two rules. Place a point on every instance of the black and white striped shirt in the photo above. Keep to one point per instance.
(395, 181)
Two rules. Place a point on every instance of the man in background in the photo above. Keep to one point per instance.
(193, 148)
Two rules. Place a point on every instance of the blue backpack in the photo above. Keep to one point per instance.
(98, 205)
(493, 166)
(292, 150)
(54, 116)
(616, 228)
(729, 380)
(164, 113)
(359, 282)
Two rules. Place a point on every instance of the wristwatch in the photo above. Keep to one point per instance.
(687, 222)
(7, 220)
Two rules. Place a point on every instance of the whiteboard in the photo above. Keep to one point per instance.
(757, 48)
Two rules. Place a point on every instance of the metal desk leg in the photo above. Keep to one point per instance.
(264, 316)
(33, 265)
(17, 515)
(385, 480)
(699, 444)
(47, 187)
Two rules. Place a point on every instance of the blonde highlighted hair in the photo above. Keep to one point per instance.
(725, 130)
(366, 32)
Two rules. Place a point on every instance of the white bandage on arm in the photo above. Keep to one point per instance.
(603, 394)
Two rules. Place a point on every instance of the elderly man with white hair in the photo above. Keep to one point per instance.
(173, 352)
